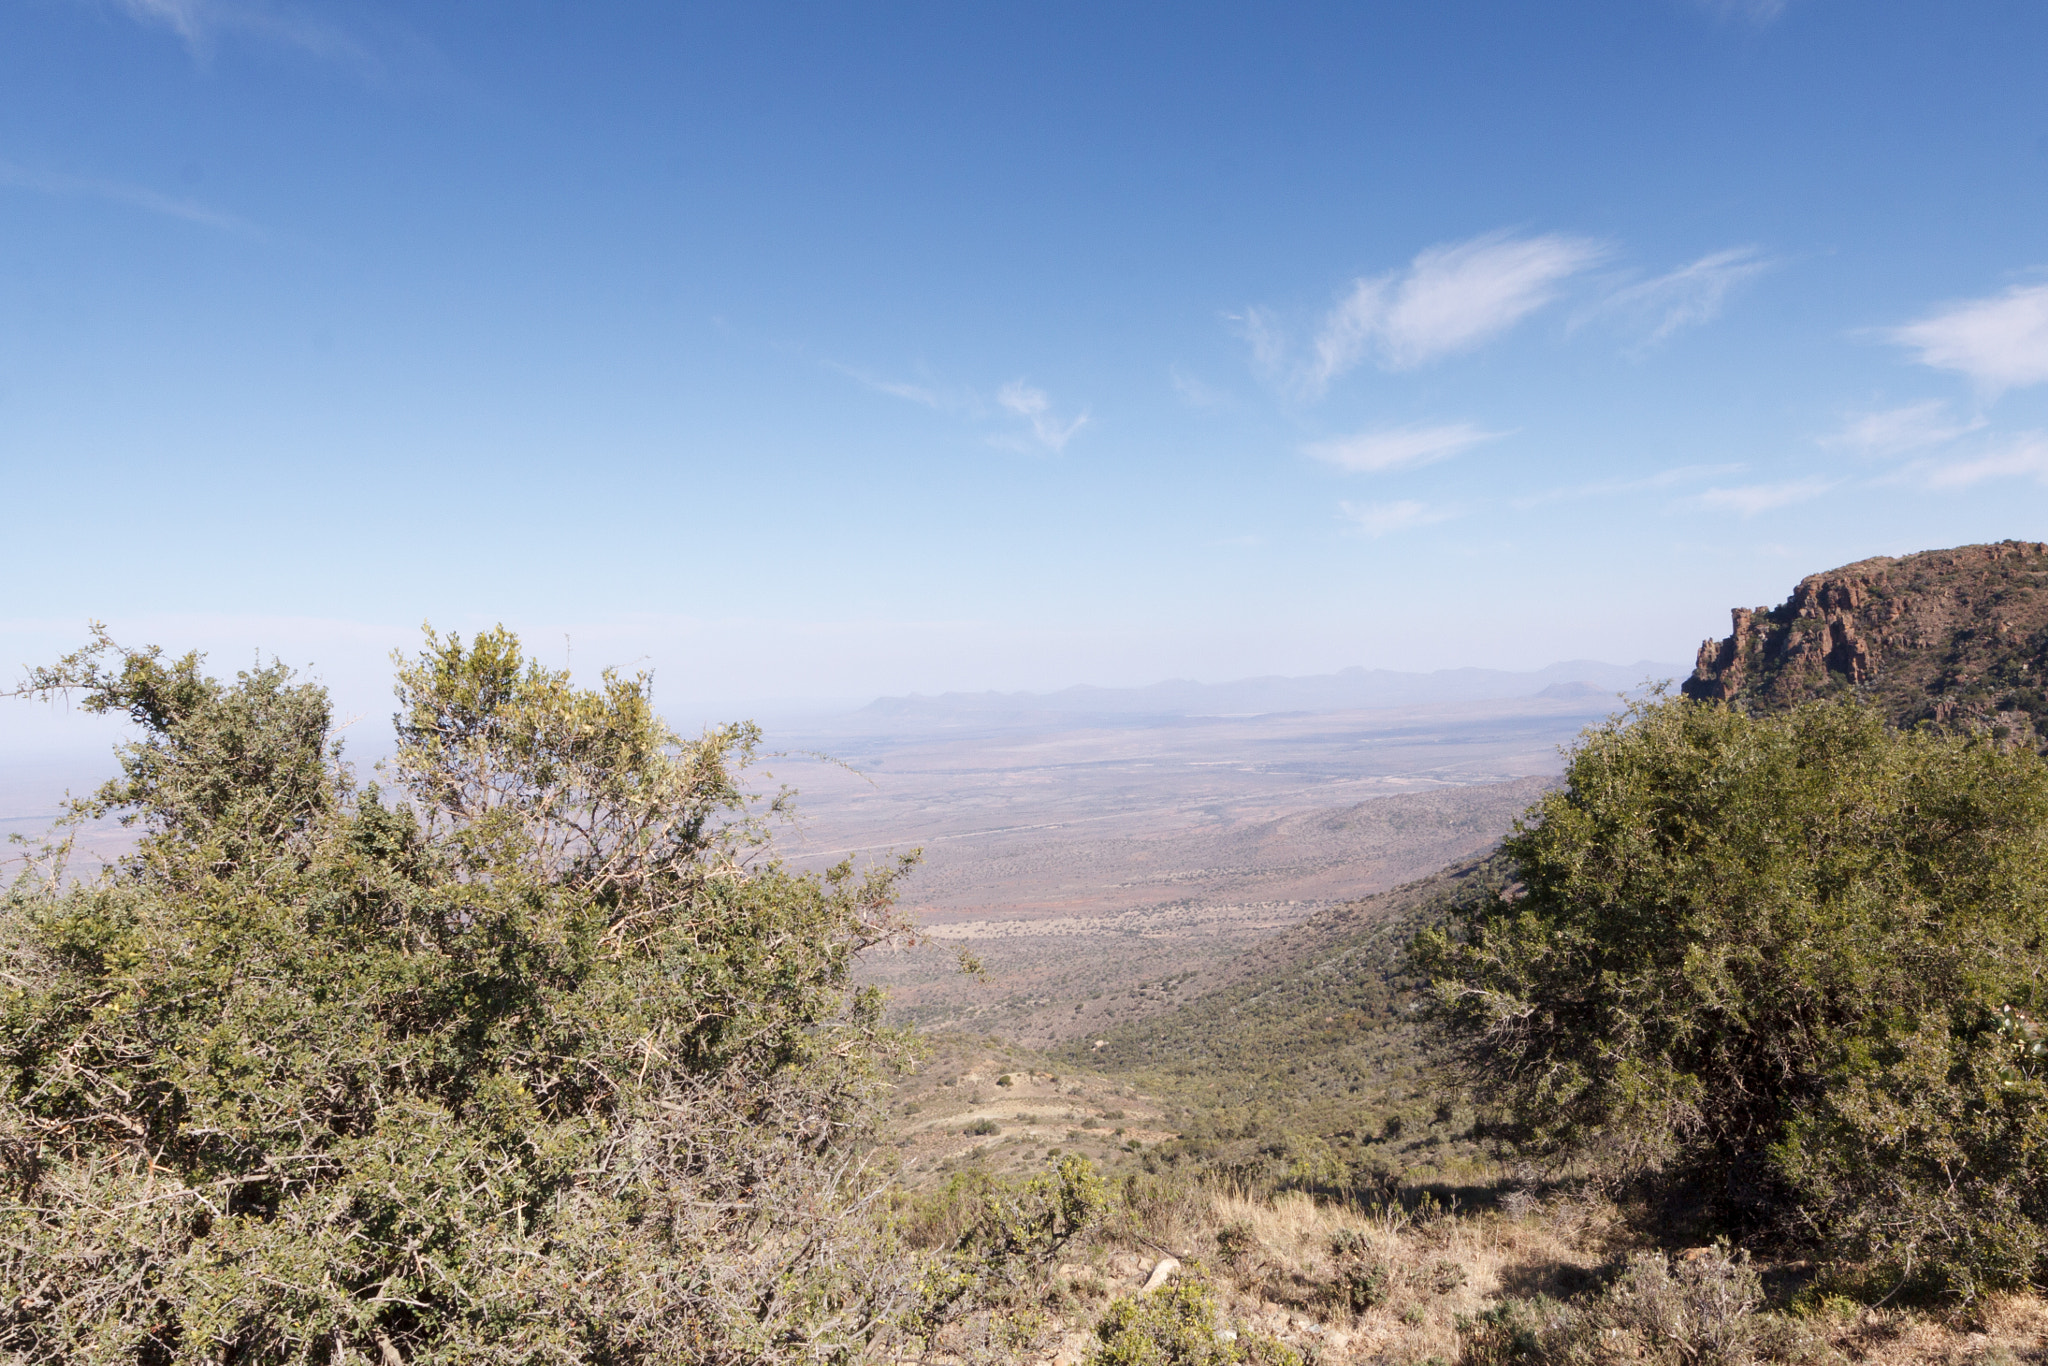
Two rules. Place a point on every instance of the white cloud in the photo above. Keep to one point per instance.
(1268, 341)
(920, 394)
(1450, 299)
(1688, 296)
(1035, 406)
(2026, 456)
(1395, 448)
(1895, 431)
(2000, 342)
(116, 192)
(1757, 12)
(189, 19)
(1377, 519)
(1194, 393)
(1347, 333)
(1750, 499)
(199, 22)
(1663, 479)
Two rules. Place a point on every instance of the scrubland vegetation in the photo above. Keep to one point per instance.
(1790, 966)
(531, 1058)
(537, 1054)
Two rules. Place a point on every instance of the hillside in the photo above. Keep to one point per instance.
(1307, 1056)
(1956, 637)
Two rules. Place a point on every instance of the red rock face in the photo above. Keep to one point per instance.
(1945, 635)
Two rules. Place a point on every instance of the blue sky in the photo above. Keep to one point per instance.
(817, 351)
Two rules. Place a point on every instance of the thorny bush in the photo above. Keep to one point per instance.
(1794, 960)
(539, 1058)
(1698, 1309)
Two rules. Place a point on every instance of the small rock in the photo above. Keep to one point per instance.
(1166, 1267)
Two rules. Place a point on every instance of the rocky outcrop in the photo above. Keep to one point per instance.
(1956, 637)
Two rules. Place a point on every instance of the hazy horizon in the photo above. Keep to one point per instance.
(38, 732)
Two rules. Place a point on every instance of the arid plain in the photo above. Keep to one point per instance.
(1107, 869)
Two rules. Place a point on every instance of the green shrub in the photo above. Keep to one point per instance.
(995, 1235)
(1365, 1284)
(1510, 1333)
(538, 1058)
(1702, 1309)
(1175, 1325)
(1795, 959)
(1699, 1310)
(1235, 1241)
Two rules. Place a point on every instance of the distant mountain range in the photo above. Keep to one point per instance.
(1348, 690)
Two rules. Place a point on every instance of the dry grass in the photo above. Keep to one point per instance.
(1343, 1284)
(2004, 1331)
(1424, 1270)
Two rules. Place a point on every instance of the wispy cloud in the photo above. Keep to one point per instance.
(119, 192)
(186, 18)
(1394, 448)
(1046, 430)
(1757, 12)
(1450, 299)
(1686, 297)
(1894, 431)
(1377, 519)
(1750, 499)
(1267, 339)
(1606, 488)
(2025, 456)
(1194, 393)
(199, 23)
(921, 394)
(1035, 406)
(2000, 342)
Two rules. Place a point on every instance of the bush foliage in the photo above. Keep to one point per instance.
(539, 1058)
(1696, 1310)
(1795, 958)
(1175, 1325)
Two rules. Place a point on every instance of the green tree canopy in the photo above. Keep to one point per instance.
(539, 1057)
(1796, 955)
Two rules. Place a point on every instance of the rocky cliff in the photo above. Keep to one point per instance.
(1957, 637)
